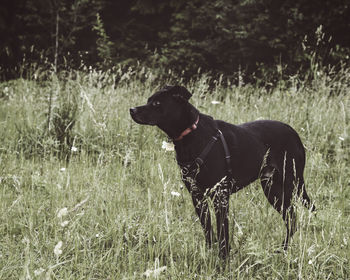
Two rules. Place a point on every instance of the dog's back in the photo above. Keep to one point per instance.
(281, 140)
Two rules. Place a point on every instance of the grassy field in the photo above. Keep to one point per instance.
(85, 193)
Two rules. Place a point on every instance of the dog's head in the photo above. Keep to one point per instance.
(168, 109)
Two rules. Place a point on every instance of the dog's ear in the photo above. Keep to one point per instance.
(179, 92)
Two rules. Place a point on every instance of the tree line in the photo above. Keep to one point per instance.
(221, 37)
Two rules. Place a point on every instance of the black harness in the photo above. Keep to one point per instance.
(191, 169)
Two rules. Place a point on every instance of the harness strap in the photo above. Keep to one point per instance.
(227, 154)
(200, 159)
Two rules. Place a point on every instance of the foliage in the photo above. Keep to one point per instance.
(30, 27)
(219, 37)
(104, 45)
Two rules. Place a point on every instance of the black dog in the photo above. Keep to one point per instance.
(218, 158)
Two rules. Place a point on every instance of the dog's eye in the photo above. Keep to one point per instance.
(156, 103)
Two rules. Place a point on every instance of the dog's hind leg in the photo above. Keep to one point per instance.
(289, 217)
(279, 193)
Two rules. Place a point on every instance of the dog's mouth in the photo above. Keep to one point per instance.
(134, 113)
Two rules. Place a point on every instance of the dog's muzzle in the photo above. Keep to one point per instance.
(133, 114)
(138, 115)
(133, 111)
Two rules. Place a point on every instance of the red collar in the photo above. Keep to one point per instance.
(188, 130)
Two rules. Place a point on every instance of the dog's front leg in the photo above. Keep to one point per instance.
(221, 205)
(201, 206)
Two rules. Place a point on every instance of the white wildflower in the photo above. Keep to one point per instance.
(173, 193)
(101, 125)
(311, 250)
(155, 272)
(63, 169)
(57, 250)
(215, 102)
(64, 223)
(25, 240)
(81, 213)
(310, 261)
(74, 149)
(63, 212)
(167, 146)
(37, 272)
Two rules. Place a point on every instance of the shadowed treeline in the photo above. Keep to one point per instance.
(219, 37)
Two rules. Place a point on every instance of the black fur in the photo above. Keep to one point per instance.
(267, 150)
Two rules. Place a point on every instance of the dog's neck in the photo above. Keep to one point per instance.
(182, 125)
(191, 145)
(198, 130)
(188, 130)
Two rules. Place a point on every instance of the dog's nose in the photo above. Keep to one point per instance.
(133, 111)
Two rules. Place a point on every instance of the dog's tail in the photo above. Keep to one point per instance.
(305, 198)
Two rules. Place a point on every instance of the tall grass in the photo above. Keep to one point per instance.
(85, 193)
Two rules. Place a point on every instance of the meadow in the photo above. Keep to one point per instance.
(86, 193)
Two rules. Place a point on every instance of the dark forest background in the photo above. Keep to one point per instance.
(221, 37)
